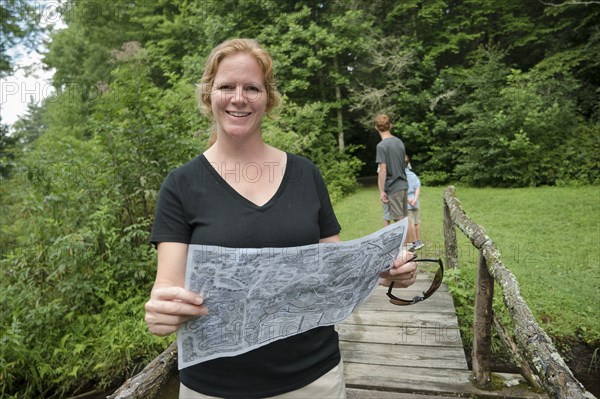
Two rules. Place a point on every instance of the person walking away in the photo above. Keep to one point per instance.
(391, 177)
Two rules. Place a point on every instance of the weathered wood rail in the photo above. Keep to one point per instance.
(540, 362)
(148, 382)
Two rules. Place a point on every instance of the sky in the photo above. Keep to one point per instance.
(29, 81)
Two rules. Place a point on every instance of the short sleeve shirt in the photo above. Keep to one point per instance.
(391, 151)
(197, 206)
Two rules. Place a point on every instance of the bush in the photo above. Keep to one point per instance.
(436, 178)
(580, 157)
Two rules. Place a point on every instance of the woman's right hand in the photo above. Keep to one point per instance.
(169, 307)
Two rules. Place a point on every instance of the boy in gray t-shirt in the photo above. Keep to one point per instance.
(391, 176)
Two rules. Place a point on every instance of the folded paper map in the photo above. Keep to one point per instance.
(259, 295)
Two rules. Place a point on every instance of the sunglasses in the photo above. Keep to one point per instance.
(435, 284)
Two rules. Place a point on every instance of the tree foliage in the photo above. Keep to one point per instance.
(487, 93)
(19, 26)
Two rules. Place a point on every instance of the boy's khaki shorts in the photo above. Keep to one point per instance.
(414, 216)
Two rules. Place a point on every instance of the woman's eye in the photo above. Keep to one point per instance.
(226, 87)
(253, 88)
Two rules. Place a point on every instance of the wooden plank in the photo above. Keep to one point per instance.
(428, 380)
(409, 320)
(400, 335)
(405, 355)
(353, 393)
(434, 304)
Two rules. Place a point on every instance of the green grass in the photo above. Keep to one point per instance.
(549, 237)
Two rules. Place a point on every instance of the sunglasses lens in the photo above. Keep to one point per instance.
(435, 284)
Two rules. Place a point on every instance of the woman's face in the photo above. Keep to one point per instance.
(238, 97)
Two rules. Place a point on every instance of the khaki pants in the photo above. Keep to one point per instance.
(330, 386)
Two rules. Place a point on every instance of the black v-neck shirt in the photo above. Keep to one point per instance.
(197, 206)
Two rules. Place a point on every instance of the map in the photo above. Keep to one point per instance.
(259, 295)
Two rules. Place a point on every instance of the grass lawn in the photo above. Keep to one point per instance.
(549, 237)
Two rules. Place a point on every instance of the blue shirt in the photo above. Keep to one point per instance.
(413, 184)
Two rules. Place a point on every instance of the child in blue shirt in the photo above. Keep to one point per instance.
(413, 192)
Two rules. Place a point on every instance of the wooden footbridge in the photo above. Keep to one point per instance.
(413, 351)
(416, 351)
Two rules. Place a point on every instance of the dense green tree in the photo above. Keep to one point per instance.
(316, 48)
(7, 153)
(30, 126)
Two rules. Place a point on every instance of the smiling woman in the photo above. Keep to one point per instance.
(284, 203)
(244, 193)
(258, 84)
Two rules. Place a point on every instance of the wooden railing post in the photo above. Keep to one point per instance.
(450, 245)
(482, 337)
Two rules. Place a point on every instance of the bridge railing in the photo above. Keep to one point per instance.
(532, 348)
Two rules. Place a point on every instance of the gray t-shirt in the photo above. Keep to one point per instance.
(390, 151)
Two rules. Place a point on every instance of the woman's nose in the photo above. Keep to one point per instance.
(239, 95)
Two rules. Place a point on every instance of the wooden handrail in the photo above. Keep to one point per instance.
(147, 383)
(532, 341)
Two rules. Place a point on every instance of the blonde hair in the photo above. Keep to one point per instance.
(232, 47)
(382, 123)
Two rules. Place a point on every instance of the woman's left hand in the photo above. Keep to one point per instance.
(403, 272)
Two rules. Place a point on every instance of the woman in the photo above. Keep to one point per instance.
(244, 193)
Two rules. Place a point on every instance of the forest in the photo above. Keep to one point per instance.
(484, 93)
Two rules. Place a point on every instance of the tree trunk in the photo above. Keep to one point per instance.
(340, 116)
